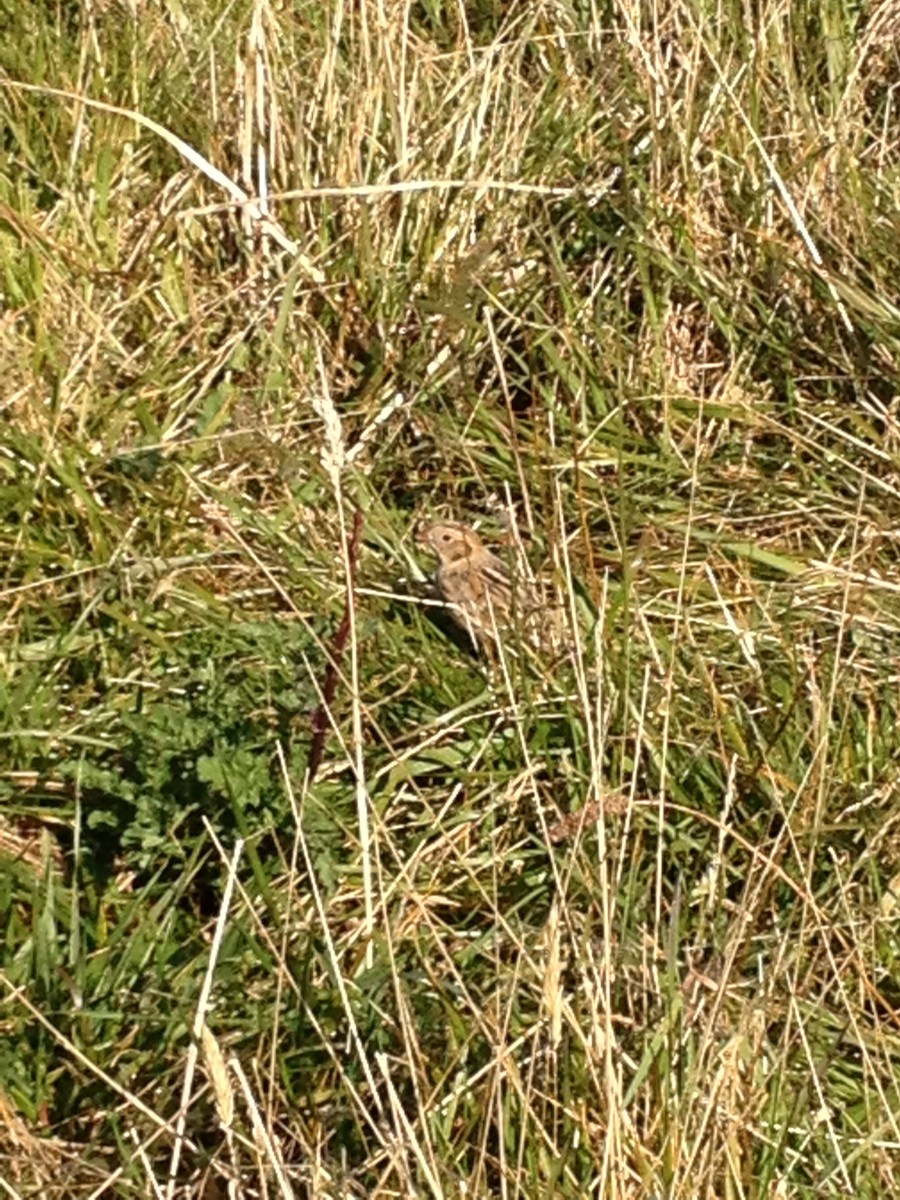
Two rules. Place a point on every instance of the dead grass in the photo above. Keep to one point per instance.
(619, 925)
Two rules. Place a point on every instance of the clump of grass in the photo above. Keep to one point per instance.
(621, 923)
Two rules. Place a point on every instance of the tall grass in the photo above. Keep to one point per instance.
(617, 281)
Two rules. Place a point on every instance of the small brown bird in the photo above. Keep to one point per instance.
(475, 584)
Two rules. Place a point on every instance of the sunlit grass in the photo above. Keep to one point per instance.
(620, 923)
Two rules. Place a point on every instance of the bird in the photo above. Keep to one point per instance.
(481, 595)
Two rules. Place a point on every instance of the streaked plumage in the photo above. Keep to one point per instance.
(474, 583)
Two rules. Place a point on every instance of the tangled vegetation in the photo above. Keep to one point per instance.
(301, 896)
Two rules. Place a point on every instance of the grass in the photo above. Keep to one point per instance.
(620, 924)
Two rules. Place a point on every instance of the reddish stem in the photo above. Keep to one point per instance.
(320, 722)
